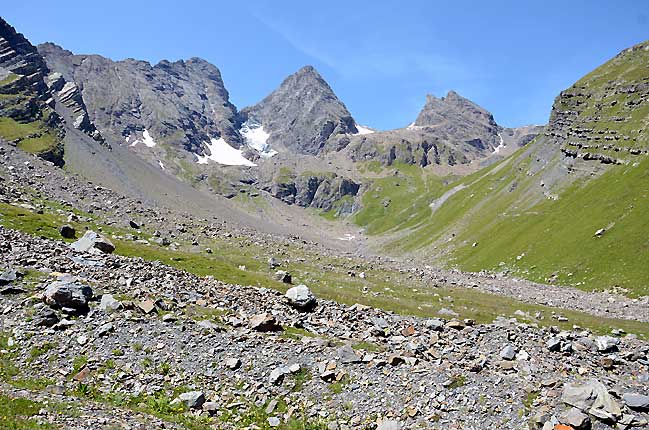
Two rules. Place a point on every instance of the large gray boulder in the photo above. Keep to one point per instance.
(593, 398)
(193, 399)
(300, 297)
(94, 243)
(67, 295)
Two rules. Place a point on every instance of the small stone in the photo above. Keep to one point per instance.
(67, 231)
(9, 276)
(274, 421)
(575, 418)
(134, 225)
(606, 343)
(93, 242)
(508, 352)
(233, 363)
(553, 344)
(146, 306)
(264, 322)
(108, 303)
(347, 355)
(283, 276)
(277, 375)
(389, 425)
(211, 407)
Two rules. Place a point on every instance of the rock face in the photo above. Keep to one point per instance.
(460, 120)
(599, 117)
(24, 96)
(302, 114)
(316, 190)
(182, 102)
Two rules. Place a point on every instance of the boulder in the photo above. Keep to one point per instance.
(93, 242)
(8, 276)
(592, 397)
(606, 343)
(67, 231)
(264, 322)
(193, 399)
(68, 295)
(109, 304)
(508, 352)
(636, 401)
(301, 297)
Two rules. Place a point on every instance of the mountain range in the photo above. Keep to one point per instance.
(168, 133)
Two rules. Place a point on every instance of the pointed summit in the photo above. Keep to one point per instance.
(302, 114)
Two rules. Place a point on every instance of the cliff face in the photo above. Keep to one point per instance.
(182, 103)
(604, 115)
(27, 115)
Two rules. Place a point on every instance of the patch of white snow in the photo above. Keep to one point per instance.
(223, 153)
(347, 237)
(500, 146)
(363, 130)
(148, 140)
(162, 166)
(257, 138)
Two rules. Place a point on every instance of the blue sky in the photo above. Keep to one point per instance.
(380, 57)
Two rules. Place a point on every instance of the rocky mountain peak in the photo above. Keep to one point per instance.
(452, 107)
(302, 114)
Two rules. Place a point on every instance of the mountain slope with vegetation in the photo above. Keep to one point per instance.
(545, 213)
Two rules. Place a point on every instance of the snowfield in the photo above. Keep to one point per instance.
(222, 153)
(257, 138)
(146, 139)
(363, 130)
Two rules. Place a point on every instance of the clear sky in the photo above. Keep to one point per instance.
(380, 57)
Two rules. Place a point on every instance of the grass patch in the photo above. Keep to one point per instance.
(17, 413)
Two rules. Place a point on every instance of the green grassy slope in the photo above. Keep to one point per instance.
(529, 215)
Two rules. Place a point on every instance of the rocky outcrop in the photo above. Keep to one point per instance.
(25, 98)
(317, 190)
(67, 93)
(183, 103)
(600, 117)
(302, 115)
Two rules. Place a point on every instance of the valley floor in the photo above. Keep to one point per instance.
(172, 336)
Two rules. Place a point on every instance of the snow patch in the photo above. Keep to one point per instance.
(223, 153)
(363, 130)
(162, 166)
(148, 140)
(347, 237)
(500, 146)
(257, 138)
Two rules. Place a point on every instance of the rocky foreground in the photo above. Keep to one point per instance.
(110, 336)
